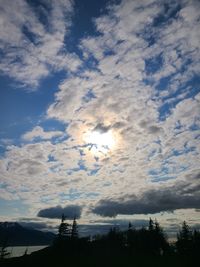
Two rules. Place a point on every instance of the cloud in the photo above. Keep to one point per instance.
(70, 212)
(152, 129)
(39, 132)
(32, 48)
(6, 141)
(101, 128)
(197, 176)
(183, 196)
(153, 113)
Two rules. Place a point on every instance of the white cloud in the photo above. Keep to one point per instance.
(39, 132)
(122, 97)
(125, 103)
(30, 48)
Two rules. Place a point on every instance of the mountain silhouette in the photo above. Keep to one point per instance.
(17, 235)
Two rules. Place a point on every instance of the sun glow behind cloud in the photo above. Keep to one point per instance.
(122, 130)
(100, 142)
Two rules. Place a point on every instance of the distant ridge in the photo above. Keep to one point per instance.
(17, 235)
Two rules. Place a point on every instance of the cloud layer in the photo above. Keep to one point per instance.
(139, 77)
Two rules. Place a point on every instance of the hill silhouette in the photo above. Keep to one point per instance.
(17, 235)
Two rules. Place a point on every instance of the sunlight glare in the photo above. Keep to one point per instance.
(101, 142)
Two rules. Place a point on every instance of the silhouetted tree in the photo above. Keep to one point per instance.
(74, 232)
(150, 241)
(115, 238)
(129, 234)
(26, 252)
(161, 243)
(196, 242)
(184, 240)
(133, 247)
(130, 226)
(151, 225)
(63, 230)
(131, 239)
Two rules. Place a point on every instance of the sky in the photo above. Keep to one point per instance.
(100, 112)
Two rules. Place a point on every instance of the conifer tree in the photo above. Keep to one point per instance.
(130, 226)
(160, 238)
(63, 231)
(196, 242)
(74, 233)
(184, 239)
(151, 225)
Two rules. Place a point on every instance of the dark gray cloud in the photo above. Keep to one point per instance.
(118, 125)
(197, 176)
(182, 196)
(101, 128)
(70, 212)
(153, 129)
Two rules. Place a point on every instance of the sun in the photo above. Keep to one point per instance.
(100, 142)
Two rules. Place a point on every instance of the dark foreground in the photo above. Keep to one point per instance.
(52, 257)
(136, 248)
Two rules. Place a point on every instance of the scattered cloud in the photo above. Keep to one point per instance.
(70, 212)
(143, 85)
(32, 47)
(38, 132)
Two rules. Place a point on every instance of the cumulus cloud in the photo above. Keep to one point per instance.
(33, 48)
(39, 132)
(70, 212)
(153, 112)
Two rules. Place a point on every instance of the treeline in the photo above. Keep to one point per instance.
(146, 241)
(133, 247)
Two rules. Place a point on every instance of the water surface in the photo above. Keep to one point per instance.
(20, 250)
